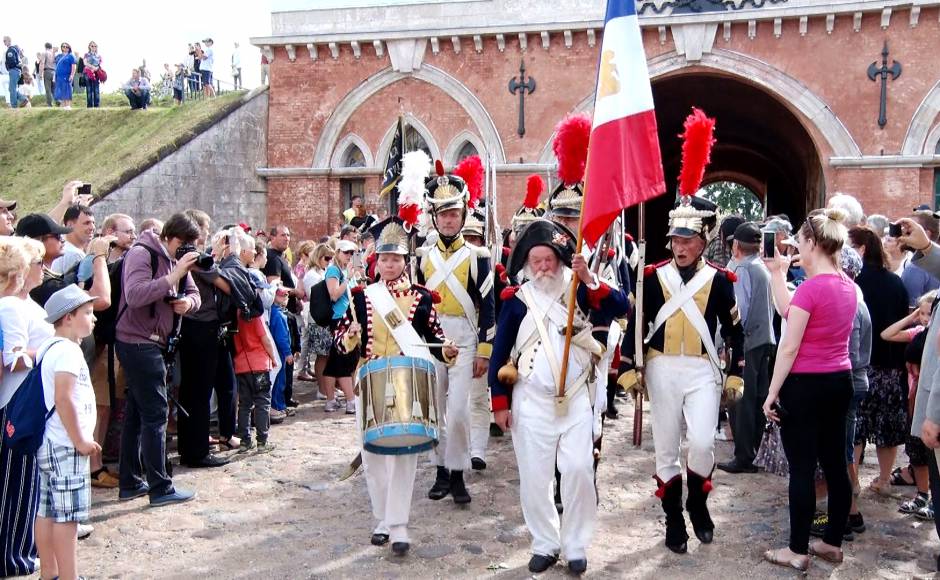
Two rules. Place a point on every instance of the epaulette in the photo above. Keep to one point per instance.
(435, 297)
(508, 292)
(501, 272)
(357, 289)
(731, 276)
(627, 237)
(506, 251)
(651, 269)
(481, 251)
(611, 253)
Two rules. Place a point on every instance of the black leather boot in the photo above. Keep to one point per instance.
(457, 488)
(670, 493)
(612, 387)
(441, 486)
(699, 488)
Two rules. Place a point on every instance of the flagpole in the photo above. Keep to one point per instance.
(638, 327)
(572, 298)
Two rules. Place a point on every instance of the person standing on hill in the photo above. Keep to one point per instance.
(64, 73)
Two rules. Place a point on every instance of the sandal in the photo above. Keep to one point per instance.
(104, 479)
(882, 489)
(834, 556)
(897, 477)
(230, 443)
(797, 562)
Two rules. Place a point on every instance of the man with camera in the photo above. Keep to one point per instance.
(158, 290)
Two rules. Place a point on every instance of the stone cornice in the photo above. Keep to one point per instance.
(785, 11)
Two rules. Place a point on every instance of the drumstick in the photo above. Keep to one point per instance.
(442, 345)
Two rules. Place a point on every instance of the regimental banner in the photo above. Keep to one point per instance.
(393, 163)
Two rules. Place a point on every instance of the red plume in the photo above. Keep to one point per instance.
(409, 214)
(534, 188)
(471, 171)
(698, 140)
(571, 147)
(439, 168)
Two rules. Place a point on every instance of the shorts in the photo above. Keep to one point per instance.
(206, 77)
(178, 94)
(64, 483)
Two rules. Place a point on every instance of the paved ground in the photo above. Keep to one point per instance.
(285, 515)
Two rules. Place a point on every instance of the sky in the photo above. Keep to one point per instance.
(127, 32)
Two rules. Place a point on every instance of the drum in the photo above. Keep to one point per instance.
(399, 410)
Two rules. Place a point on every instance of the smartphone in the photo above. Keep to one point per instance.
(894, 230)
(769, 243)
(84, 189)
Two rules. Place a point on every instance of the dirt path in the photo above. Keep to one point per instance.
(285, 515)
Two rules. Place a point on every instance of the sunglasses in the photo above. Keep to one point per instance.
(328, 258)
(57, 237)
(348, 252)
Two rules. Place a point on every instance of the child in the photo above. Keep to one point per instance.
(255, 356)
(282, 339)
(912, 330)
(63, 458)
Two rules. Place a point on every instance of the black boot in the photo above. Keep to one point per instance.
(671, 495)
(699, 488)
(441, 486)
(612, 412)
(457, 488)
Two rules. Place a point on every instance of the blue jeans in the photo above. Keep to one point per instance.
(143, 439)
(92, 93)
(280, 382)
(14, 80)
(138, 101)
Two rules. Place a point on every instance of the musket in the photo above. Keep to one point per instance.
(638, 324)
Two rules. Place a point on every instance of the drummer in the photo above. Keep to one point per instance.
(390, 478)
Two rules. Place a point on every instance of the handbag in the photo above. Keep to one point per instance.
(102, 76)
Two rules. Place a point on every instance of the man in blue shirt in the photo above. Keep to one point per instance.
(11, 59)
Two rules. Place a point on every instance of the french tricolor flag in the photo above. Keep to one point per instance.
(624, 166)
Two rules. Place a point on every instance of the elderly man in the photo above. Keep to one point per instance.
(685, 300)
(926, 421)
(7, 217)
(121, 226)
(137, 90)
(549, 426)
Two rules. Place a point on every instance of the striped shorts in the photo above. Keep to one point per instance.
(64, 483)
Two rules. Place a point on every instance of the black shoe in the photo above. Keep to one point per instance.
(208, 461)
(612, 412)
(400, 548)
(477, 463)
(441, 486)
(539, 563)
(577, 567)
(458, 489)
(735, 466)
(293, 403)
(857, 523)
(379, 539)
(495, 431)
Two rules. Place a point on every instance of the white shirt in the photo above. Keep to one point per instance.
(236, 59)
(311, 279)
(24, 327)
(209, 61)
(71, 255)
(64, 356)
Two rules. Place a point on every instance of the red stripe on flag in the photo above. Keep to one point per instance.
(624, 169)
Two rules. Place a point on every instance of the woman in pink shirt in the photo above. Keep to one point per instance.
(811, 385)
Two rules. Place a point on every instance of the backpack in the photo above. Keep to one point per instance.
(13, 57)
(321, 305)
(26, 414)
(52, 283)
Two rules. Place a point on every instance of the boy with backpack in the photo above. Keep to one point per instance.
(255, 356)
(282, 340)
(68, 441)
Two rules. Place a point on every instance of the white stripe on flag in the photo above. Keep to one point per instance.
(623, 86)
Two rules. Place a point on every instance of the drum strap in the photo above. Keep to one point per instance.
(397, 323)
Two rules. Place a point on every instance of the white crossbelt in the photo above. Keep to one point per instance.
(683, 298)
(443, 273)
(396, 321)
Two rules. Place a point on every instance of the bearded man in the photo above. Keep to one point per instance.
(546, 428)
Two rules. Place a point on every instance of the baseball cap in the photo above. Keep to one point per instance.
(730, 225)
(37, 225)
(346, 246)
(10, 205)
(748, 232)
(778, 225)
(65, 301)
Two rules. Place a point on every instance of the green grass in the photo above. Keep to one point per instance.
(41, 149)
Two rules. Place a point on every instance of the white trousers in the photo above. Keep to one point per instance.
(541, 439)
(683, 387)
(454, 384)
(480, 417)
(391, 481)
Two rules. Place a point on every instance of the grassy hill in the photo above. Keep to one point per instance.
(41, 149)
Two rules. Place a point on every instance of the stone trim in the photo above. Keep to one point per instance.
(915, 140)
(386, 142)
(791, 92)
(457, 143)
(886, 161)
(330, 134)
(303, 172)
(351, 139)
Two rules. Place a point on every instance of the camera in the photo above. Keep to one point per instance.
(205, 261)
(84, 189)
(894, 230)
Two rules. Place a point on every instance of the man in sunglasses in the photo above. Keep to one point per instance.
(42, 228)
(7, 217)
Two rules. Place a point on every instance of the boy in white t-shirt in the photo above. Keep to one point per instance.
(64, 472)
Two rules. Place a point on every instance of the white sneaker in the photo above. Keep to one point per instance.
(321, 396)
(331, 406)
(84, 530)
(351, 408)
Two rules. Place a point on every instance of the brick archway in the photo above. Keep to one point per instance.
(921, 138)
(333, 128)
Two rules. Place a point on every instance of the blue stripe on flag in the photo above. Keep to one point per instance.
(619, 8)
